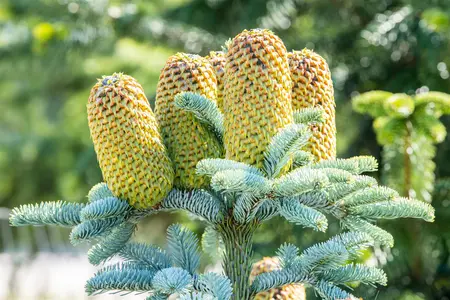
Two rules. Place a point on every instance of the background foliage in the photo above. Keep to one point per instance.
(51, 53)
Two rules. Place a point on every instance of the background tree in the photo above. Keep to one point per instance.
(408, 128)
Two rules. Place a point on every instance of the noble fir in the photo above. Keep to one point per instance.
(408, 128)
(237, 138)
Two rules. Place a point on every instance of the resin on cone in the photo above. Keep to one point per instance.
(288, 292)
(126, 138)
(187, 140)
(312, 87)
(217, 60)
(257, 94)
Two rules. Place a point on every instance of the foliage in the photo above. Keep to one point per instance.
(408, 128)
(236, 194)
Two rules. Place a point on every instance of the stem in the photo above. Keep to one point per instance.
(238, 240)
(414, 231)
(407, 160)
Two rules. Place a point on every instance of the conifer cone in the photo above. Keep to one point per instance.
(287, 292)
(187, 140)
(132, 157)
(312, 87)
(217, 60)
(257, 94)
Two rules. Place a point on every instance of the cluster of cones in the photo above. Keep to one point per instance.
(255, 83)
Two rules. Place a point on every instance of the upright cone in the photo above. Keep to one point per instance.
(257, 94)
(217, 60)
(129, 149)
(312, 87)
(287, 292)
(187, 140)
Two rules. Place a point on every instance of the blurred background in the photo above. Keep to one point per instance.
(52, 52)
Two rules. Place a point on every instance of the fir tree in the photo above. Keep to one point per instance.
(408, 128)
(269, 174)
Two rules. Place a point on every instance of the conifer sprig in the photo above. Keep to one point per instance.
(324, 266)
(204, 109)
(59, 213)
(269, 169)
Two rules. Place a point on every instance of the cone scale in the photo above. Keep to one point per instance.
(217, 60)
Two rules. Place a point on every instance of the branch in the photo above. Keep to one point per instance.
(149, 256)
(93, 229)
(399, 106)
(354, 242)
(397, 208)
(204, 109)
(198, 202)
(371, 103)
(122, 277)
(337, 175)
(355, 165)
(172, 280)
(300, 181)
(240, 181)
(429, 126)
(369, 195)
(293, 211)
(157, 296)
(329, 291)
(440, 100)
(336, 192)
(266, 209)
(196, 296)
(246, 207)
(211, 166)
(302, 158)
(182, 247)
(99, 191)
(323, 256)
(309, 115)
(355, 272)
(360, 225)
(111, 244)
(47, 213)
(288, 254)
(216, 285)
(274, 279)
(283, 146)
(105, 208)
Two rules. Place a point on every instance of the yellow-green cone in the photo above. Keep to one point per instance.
(187, 140)
(129, 148)
(217, 60)
(257, 94)
(287, 292)
(312, 87)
